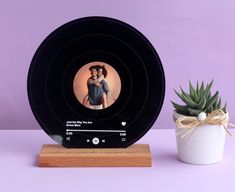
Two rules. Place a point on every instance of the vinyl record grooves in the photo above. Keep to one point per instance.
(96, 82)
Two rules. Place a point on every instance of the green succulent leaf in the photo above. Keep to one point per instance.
(202, 103)
(194, 112)
(225, 108)
(183, 113)
(212, 100)
(197, 89)
(201, 90)
(180, 107)
(190, 102)
(215, 104)
(192, 91)
(209, 109)
(198, 99)
(219, 104)
(179, 95)
(208, 89)
(209, 96)
(185, 94)
(197, 94)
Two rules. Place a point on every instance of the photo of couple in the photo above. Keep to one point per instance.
(98, 89)
(97, 85)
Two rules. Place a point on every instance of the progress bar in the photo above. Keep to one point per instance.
(107, 131)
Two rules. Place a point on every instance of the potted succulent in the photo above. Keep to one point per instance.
(201, 125)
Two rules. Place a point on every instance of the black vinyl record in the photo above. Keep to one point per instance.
(96, 82)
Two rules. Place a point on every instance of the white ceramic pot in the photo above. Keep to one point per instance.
(205, 144)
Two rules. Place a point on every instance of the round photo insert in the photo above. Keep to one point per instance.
(97, 85)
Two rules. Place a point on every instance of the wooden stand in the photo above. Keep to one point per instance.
(137, 155)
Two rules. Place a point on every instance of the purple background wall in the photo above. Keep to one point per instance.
(195, 40)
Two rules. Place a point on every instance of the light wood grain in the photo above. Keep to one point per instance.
(53, 155)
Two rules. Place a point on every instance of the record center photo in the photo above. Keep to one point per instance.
(97, 85)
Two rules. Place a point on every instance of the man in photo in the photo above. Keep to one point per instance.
(98, 90)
